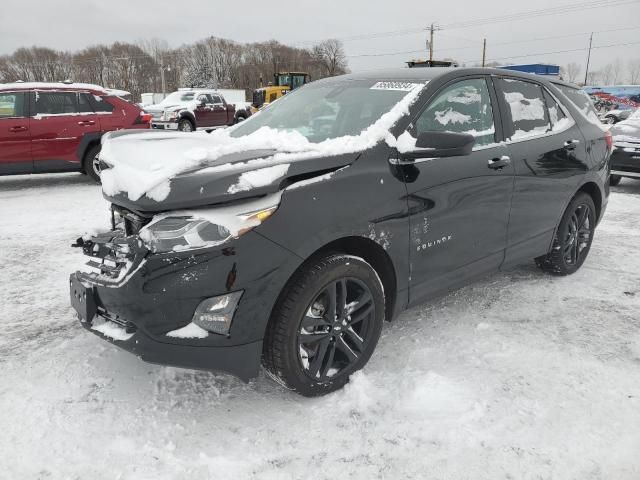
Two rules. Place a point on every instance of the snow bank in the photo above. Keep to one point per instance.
(145, 163)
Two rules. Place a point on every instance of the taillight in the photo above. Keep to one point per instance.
(609, 139)
(143, 118)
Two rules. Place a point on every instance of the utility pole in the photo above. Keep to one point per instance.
(484, 51)
(431, 43)
(586, 71)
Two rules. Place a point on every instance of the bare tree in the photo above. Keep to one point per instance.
(593, 77)
(617, 71)
(330, 54)
(606, 74)
(572, 70)
(633, 67)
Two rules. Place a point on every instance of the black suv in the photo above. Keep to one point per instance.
(291, 237)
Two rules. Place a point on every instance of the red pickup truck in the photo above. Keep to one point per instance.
(196, 109)
(56, 127)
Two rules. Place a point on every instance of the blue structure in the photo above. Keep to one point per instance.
(536, 68)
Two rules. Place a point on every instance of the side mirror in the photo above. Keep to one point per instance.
(441, 144)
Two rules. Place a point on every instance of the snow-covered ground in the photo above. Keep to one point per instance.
(520, 376)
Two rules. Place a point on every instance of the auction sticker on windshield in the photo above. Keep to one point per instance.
(402, 86)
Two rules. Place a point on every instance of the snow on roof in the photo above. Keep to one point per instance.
(117, 93)
(51, 85)
(145, 163)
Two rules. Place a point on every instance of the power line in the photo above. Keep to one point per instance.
(560, 51)
(588, 5)
(511, 42)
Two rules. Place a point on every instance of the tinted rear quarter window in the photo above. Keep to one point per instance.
(581, 100)
(100, 104)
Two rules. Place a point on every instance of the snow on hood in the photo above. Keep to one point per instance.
(144, 163)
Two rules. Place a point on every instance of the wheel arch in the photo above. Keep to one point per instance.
(592, 189)
(186, 114)
(370, 252)
(87, 142)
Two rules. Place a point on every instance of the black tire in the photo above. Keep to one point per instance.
(572, 241)
(241, 117)
(614, 180)
(91, 163)
(304, 349)
(610, 119)
(186, 125)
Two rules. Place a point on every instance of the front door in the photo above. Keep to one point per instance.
(15, 137)
(459, 206)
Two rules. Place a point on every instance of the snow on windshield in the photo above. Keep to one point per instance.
(145, 163)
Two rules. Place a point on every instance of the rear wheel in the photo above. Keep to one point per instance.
(91, 163)
(185, 125)
(614, 180)
(325, 326)
(573, 239)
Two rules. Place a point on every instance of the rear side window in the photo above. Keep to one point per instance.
(527, 108)
(217, 99)
(464, 107)
(581, 100)
(55, 103)
(100, 104)
(12, 105)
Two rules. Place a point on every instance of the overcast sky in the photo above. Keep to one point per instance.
(72, 25)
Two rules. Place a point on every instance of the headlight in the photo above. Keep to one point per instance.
(171, 115)
(186, 230)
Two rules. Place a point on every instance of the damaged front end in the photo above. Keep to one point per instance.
(114, 256)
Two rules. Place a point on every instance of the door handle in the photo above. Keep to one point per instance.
(571, 144)
(20, 128)
(85, 123)
(499, 163)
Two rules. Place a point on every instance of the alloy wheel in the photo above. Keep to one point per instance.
(336, 329)
(578, 235)
(95, 164)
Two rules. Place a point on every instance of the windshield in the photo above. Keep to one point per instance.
(321, 111)
(177, 97)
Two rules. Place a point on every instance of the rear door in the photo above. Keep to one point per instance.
(204, 114)
(549, 155)
(59, 122)
(459, 206)
(219, 111)
(15, 137)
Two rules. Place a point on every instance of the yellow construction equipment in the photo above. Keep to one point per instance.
(283, 83)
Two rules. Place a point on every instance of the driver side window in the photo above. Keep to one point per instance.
(464, 107)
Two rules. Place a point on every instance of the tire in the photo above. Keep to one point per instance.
(185, 125)
(610, 119)
(91, 163)
(307, 349)
(573, 238)
(240, 118)
(614, 180)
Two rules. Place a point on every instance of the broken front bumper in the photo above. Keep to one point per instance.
(135, 298)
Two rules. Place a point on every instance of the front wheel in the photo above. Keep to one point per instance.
(573, 239)
(91, 163)
(185, 125)
(325, 325)
(614, 180)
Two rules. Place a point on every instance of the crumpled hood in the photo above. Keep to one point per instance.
(230, 176)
